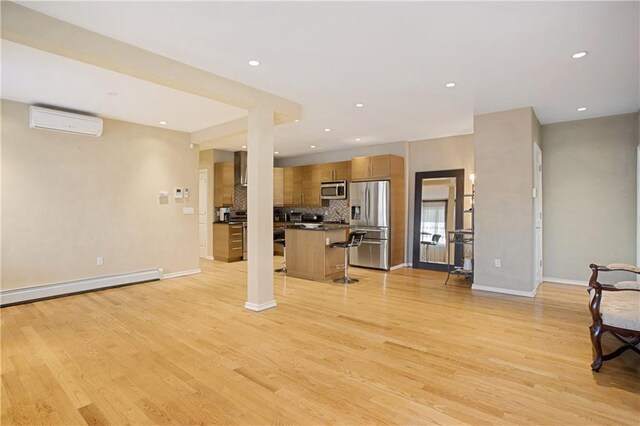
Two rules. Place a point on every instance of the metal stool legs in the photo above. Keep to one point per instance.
(345, 279)
(284, 262)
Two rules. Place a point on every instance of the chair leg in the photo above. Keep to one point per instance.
(345, 279)
(596, 337)
(284, 262)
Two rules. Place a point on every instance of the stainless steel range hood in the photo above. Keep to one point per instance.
(240, 168)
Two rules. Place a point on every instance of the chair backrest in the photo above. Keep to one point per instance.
(356, 237)
(435, 238)
(278, 234)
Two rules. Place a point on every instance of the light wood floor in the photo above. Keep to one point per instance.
(396, 348)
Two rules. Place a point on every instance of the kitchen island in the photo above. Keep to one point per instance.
(309, 254)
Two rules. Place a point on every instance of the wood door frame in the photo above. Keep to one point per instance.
(206, 220)
(458, 174)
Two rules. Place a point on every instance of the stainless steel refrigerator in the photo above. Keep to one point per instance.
(370, 212)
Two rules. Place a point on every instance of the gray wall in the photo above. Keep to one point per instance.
(504, 203)
(589, 187)
(396, 148)
(429, 155)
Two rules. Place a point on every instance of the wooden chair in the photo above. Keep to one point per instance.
(614, 308)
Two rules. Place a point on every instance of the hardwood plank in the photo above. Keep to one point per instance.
(398, 347)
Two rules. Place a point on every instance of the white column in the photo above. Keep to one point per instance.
(260, 208)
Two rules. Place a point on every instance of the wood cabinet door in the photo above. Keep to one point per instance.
(326, 172)
(298, 186)
(223, 184)
(342, 170)
(380, 166)
(360, 168)
(287, 187)
(278, 186)
(311, 178)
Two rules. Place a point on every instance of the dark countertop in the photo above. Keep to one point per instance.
(320, 227)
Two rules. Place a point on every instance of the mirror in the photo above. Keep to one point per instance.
(439, 205)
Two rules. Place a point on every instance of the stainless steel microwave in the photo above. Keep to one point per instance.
(336, 190)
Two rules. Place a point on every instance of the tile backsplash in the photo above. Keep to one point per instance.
(335, 211)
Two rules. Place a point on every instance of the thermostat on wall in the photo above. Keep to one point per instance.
(178, 193)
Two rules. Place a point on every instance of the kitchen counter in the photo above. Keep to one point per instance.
(317, 227)
(309, 254)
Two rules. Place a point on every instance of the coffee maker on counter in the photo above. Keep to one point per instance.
(223, 214)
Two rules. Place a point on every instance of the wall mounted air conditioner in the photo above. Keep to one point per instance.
(62, 121)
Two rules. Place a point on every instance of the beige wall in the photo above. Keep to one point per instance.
(430, 155)
(504, 203)
(589, 186)
(395, 148)
(67, 199)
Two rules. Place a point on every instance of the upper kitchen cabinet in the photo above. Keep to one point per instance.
(223, 185)
(311, 178)
(278, 186)
(292, 186)
(374, 167)
(335, 171)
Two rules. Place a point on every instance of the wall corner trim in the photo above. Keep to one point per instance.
(582, 283)
(181, 273)
(504, 290)
(257, 307)
(20, 295)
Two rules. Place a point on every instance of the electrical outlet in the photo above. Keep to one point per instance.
(497, 263)
(100, 261)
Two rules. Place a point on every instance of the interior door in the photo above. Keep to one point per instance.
(537, 201)
(203, 183)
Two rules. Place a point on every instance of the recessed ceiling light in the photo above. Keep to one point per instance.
(451, 84)
(579, 55)
(327, 130)
(276, 152)
(359, 105)
(312, 147)
(581, 109)
(254, 63)
(163, 122)
(296, 121)
(244, 146)
(357, 139)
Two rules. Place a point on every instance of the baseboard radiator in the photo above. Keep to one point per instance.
(46, 291)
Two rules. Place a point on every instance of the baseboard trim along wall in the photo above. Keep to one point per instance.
(19, 295)
(402, 265)
(207, 257)
(180, 274)
(505, 290)
(260, 307)
(582, 283)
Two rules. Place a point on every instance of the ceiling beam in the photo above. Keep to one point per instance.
(37, 30)
(221, 131)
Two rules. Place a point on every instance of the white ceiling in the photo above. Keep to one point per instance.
(394, 57)
(36, 77)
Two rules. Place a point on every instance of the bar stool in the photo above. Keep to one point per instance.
(355, 239)
(434, 242)
(278, 238)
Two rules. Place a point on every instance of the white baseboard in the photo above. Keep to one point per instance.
(257, 307)
(409, 265)
(504, 290)
(18, 295)
(582, 283)
(180, 274)
(402, 265)
(207, 257)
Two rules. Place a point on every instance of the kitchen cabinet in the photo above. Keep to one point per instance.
(227, 242)
(278, 186)
(223, 185)
(292, 186)
(335, 171)
(374, 167)
(311, 178)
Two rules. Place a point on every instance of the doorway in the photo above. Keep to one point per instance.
(203, 202)
(438, 210)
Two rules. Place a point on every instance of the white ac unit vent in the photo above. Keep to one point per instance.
(62, 121)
